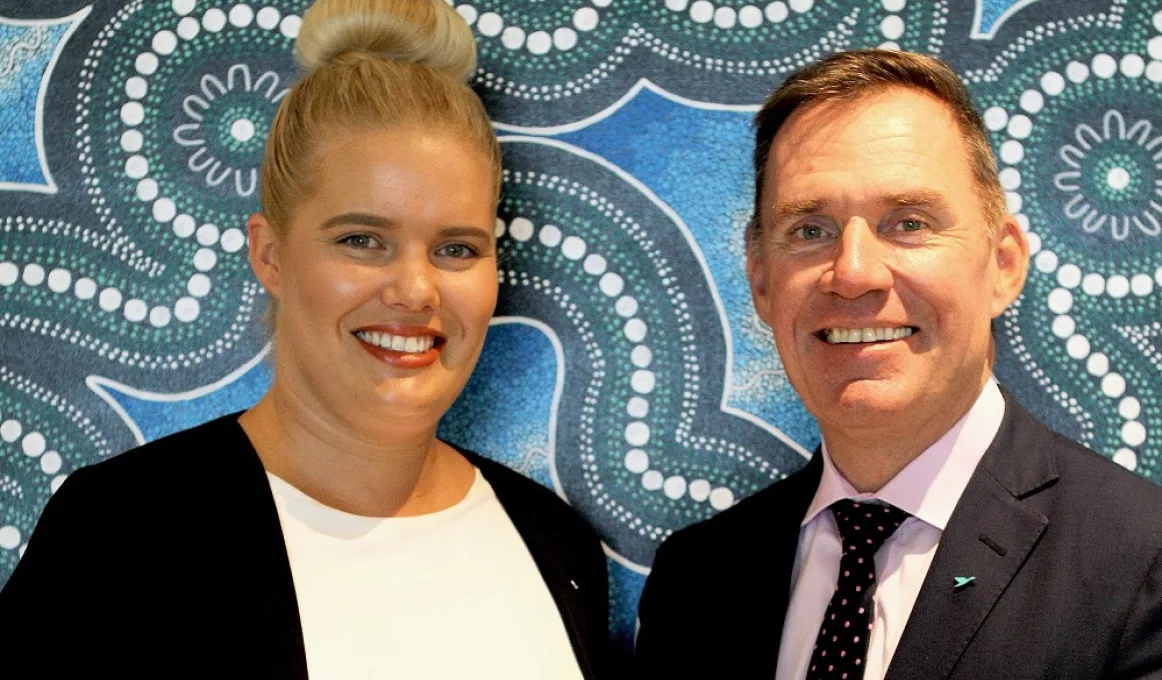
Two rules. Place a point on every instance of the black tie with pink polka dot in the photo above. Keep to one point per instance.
(841, 645)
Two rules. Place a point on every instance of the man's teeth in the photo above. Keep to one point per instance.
(837, 336)
(398, 343)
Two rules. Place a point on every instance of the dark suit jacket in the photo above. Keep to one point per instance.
(1064, 545)
(168, 561)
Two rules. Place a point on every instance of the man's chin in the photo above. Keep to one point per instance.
(863, 403)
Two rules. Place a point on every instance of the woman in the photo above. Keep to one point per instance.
(326, 530)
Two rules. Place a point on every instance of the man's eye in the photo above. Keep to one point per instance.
(361, 241)
(809, 232)
(910, 224)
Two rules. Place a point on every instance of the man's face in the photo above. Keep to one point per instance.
(876, 268)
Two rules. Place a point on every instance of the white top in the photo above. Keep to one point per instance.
(453, 594)
(928, 489)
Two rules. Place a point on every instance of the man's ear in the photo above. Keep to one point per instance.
(1011, 250)
(263, 246)
(756, 274)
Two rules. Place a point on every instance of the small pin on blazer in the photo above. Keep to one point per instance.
(962, 582)
(574, 584)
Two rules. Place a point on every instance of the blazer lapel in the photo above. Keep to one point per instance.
(989, 536)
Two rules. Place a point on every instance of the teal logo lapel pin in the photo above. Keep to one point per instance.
(962, 582)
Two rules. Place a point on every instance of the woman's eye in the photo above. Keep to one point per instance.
(457, 250)
(361, 241)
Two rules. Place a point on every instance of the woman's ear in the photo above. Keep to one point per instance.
(263, 246)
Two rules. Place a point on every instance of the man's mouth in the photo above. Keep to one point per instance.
(840, 336)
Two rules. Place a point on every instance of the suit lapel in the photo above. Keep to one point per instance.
(989, 536)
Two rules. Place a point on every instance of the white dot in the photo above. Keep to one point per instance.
(1154, 71)
(637, 407)
(701, 12)
(750, 16)
(643, 382)
(242, 129)
(564, 38)
(601, 3)
(641, 356)
(1010, 178)
(585, 19)
(699, 490)
(513, 37)
(50, 463)
(1141, 285)
(637, 433)
(214, 20)
(33, 274)
(573, 248)
(626, 306)
(207, 235)
(205, 259)
(675, 487)
(59, 280)
(241, 15)
(1063, 326)
(594, 265)
(540, 42)
(1132, 65)
(1077, 346)
(1020, 126)
(635, 330)
(136, 87)
(1093, 284)
(1046, 261)
(1076, 71)
(652, 480)
(1032, 101)
(1104, 66)
(490, 24)
(159, 317)
(721, 498)
(10, 431)
(183, 7)
(146, 63)
(676, 5)
(164, 210)
(1133, 433)
(56, 482)
(9, 537)
(186, 309)
(183, 226)
(1130, 408)
(1053, 83)
(892, 27)
(1069, 276)
(33, 444)
(9, 273)
(1060, 300)
(132, 113)
(1126, 458)
(995, 118)
(1118, 286)
(725, 17)
(777, 11)
(893, 5)
(1118, 178)
(521, 229)
(290, 26)
(85, 289)
(637, 461)
(1158, 276)
(199, 285)
(1113, 385)
(550, 236)
(1012, 152)
(268, 18)
(131, 140)
(801, 6)
(1098, 365)
(611, 284)
(135, 310)
(188, 28)
(164, 42)
(1023, 222)
(136, 167)
(1013, 201)
(147, 189)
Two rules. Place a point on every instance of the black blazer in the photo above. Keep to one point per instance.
(169, 561)
(1064, 545)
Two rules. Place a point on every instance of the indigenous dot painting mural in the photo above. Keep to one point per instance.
(625, 367)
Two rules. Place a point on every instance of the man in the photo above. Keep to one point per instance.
(941, 532)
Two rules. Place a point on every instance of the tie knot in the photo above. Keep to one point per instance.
(865, 526)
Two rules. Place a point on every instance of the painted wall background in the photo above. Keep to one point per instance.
(625, 367)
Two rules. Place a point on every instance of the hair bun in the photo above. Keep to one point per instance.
(426, 32)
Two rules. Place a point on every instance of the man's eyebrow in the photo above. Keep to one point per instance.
(798, 208)
(360, 219)
(919, 198)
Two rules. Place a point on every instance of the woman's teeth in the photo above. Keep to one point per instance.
(398, 343)
(836, 336)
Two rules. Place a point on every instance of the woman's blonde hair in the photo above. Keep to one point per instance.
(371, 65)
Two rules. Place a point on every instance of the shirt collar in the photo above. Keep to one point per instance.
(931, 485)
